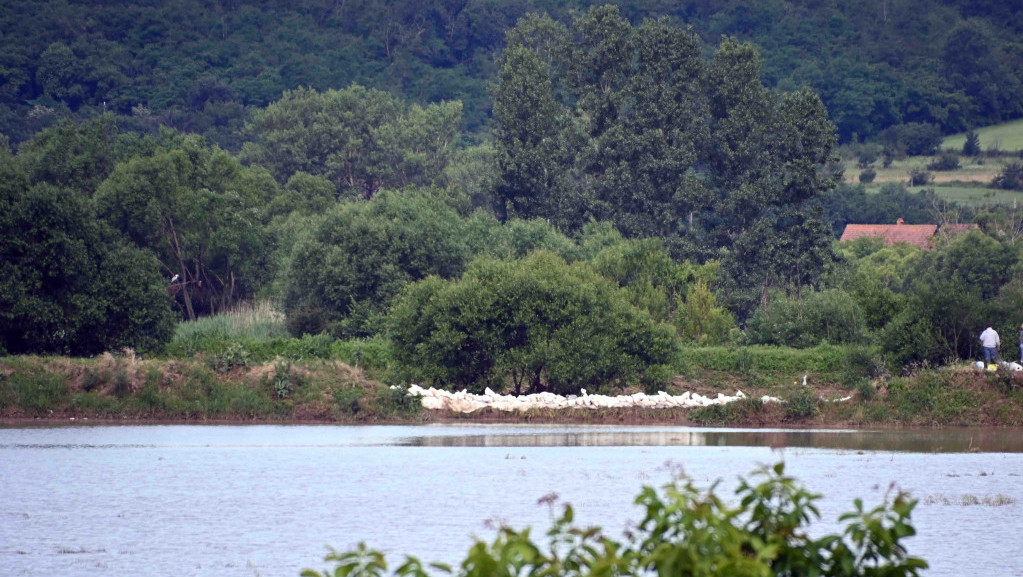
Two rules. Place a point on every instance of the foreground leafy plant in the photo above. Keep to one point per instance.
(688, 532)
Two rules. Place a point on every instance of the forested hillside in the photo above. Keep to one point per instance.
(204, 67)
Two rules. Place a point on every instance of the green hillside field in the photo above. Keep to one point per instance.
(1007, 137)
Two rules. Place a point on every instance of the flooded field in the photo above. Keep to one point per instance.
(269, 500)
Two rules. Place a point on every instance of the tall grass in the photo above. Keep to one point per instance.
(256, 321)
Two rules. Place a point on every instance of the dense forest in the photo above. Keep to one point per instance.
(623, 188)
(205, 67)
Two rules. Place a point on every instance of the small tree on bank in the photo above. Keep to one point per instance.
(537, 323)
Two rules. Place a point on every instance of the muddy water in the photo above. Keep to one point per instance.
(268, 500)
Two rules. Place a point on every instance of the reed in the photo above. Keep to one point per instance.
(258, 321)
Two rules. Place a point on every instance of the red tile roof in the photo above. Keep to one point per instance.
(918, 234)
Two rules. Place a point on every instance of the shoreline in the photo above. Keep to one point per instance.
(451, 418)
(110, 390)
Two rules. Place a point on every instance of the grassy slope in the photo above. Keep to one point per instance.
(125, 387)
(1005, 137)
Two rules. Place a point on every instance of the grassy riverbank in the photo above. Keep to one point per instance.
(226, 388)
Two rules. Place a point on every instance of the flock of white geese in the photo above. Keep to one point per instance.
(466, 402)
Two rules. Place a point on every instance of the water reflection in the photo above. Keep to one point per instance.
(915, 441)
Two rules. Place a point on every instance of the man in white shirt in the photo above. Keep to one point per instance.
(989, 340)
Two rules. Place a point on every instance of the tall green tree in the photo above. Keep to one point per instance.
(361, 139)
(641, 91)
(198, 209)
(69, 285)
(344, 273)
(529, 140)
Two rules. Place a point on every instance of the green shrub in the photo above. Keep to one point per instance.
(1011, 177)
(763, 530)
(349, 401)
(281, 381)
(868, 176)
(911, 138)
(971, 146)
(354, 262)
(234, 356)
(866, 390)
(539, 322)
(374, 353)
(802, 404)
(395, 401)
(830, 316)
(92, 379)
(945, 161)
(7, 395)
(920, 177)
(860, 365)
(149, 399)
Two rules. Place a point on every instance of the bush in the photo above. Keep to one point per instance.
(234, 356)
(70, 286)
(802, 404)
(763, 530)
(920, 177)
(830, 316)
(861, 366)
(867, 155)
(539, 322)
(395, 401)
(375, 353)
(1011, 177)
(349, 401)
(868, 176)
(282, 382)
(92, 380)
(945, 161)
(866, 390)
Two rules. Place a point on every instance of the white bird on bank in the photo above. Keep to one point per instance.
(804, 380)
(175, 279)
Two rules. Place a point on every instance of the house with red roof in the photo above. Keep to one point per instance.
(921, 235)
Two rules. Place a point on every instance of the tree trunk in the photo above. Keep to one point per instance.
(184, 271)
